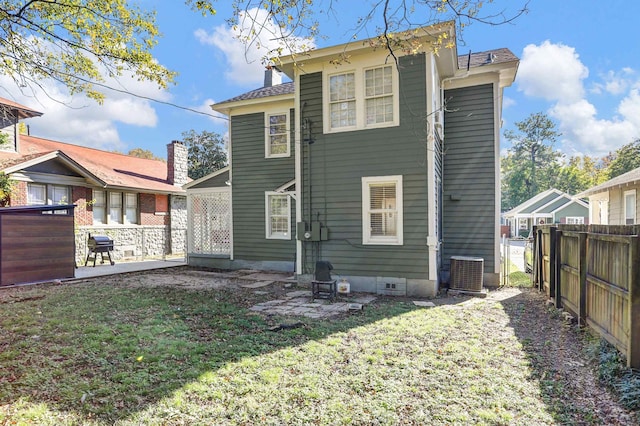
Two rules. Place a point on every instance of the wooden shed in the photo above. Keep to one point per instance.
(36, 244)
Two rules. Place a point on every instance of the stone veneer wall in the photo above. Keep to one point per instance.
(178, 224)
(131, 243)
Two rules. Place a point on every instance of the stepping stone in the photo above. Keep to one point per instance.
(424, 304)
(364, 299)
(299, 293)
(256, 284)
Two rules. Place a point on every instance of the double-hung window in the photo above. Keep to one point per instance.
(362, 98)
(114, 207)
(277, 140)
(47, 194)
(630, 207)
(382, 210)
(378, 95)
(278, 216)
(99, 207)
(342, 100)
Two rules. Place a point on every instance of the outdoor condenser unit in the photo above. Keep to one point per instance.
(466, 273)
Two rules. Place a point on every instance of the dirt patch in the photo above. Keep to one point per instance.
(557, 351)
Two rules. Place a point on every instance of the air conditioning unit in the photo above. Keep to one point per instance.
(466, 273)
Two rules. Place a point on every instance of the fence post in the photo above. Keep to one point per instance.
(538, 260)
(633, 348)
(582, 265)
(552, 261)
(558, 262)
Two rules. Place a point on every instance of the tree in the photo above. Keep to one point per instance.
(207, 152)
(143, 153)
(80, 42)
(625, 159)
(534, 163)
(6, 188)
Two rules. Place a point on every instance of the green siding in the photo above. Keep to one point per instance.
(332, 170)
(218, 181)
(469, 182)
(572, 209)
(252, 176)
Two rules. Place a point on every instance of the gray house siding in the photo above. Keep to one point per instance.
(252, 176)
(332, 170)
(572, 210)
(469, 182)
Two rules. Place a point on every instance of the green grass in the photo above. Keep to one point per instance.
(518, 278)
(111, 353)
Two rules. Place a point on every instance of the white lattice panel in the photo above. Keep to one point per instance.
(210, 222)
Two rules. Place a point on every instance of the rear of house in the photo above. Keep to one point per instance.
(356, 163)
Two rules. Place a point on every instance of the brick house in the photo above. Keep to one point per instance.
(137, 202)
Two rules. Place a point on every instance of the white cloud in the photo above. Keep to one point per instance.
(554, 72)
(79, 120)
(205, 107)
(245, 65)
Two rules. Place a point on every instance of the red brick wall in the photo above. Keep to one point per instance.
(148, 210)
(81, 196)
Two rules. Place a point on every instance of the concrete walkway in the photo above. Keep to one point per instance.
(123, 267)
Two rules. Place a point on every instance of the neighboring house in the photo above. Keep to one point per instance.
(550, 206)
(354, 162)
(138, 202)
(615, 202)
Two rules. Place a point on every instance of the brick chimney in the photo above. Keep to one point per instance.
(272, 77)
(177, 163)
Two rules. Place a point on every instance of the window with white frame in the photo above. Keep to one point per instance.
(122, 207)
(630, 207)
(574, 220)
(342, 100)
(115, 207)
(378, 94)
(362, 98)
(382, 211)
(277, 140)
(131, 208)
(47, 194)
(277, 216)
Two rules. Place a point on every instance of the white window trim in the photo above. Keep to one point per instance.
(367, 239)
(624, 212)
(106, 208)
(48, 191)
(574, 220)
(267, 138)
(267, 217)
(361, 118)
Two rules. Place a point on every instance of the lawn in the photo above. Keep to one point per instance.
(119, 351)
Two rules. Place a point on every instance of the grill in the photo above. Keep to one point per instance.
(99, 244)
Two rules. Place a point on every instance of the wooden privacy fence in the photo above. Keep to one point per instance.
(593, 272)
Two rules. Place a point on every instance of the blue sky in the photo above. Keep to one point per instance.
(580, 64)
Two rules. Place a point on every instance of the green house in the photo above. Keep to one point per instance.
(386, 166)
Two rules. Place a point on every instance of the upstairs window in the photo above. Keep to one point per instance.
(277, 139)
(382, 210)
(342, 100)
(362, 98)
(378, 94)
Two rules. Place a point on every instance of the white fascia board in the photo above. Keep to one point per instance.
(205, 178)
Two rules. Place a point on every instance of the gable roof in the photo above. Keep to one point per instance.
(546, 202)
(263, 92)
(102, 168)
(21, 111)
(631, 177)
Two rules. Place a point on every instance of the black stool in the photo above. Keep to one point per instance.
(323, 286)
